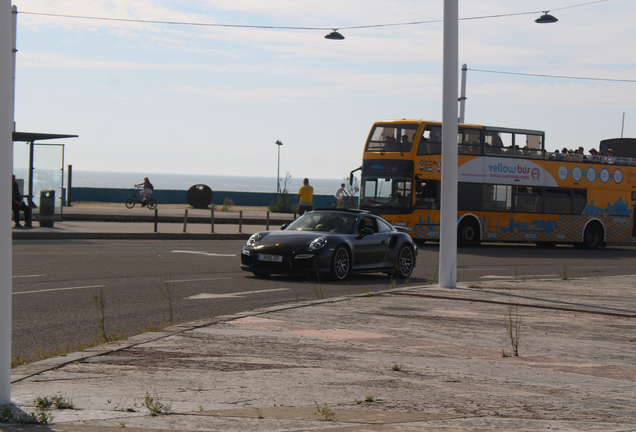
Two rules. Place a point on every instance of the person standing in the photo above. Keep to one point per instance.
(306, 195)
(340, 193)
(17, 204)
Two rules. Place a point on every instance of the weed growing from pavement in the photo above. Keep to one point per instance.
(369, 398)
(100, 304)
(396, 367)
(431, 278)
(57, 402)
(565, 271)
(316, 287)
(164, 288)
(153, 405)
(18, 361)
(394, 283)
(227, 204)
(513, 328)
(40, 416)
(326, 412)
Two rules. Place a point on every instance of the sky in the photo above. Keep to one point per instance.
(186, 99)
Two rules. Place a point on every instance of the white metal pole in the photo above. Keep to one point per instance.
(448, 213)
(462, 97)
(6, 167)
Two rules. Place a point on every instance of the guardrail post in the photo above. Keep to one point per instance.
(185, 220)
(211, 220)
(267, 221)
(156, 218)
(241, 221)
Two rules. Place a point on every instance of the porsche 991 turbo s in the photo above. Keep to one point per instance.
(338, 242)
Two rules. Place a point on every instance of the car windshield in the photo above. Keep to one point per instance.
(340, 223)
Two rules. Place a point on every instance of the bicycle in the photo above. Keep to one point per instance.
(347, 204)
(151, 203)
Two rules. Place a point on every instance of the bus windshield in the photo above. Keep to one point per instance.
(392, 138)
(387, 184)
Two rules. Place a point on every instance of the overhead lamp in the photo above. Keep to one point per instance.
(546, 18)
(334, 35)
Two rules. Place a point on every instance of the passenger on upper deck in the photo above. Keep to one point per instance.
(593, 157)
(610, 157)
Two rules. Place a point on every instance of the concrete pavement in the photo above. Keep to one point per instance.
(408, 359)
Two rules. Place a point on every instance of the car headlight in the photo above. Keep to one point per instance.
(254, 238)
(318, 243)
(401, 223)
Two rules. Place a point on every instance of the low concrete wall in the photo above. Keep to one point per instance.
(179, 197)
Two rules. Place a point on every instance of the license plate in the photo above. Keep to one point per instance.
(270, 258)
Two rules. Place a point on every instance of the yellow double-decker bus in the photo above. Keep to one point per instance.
(509, 187)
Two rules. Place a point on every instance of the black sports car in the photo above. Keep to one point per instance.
(338, 242)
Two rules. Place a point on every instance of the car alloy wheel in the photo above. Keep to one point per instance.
(340, 263)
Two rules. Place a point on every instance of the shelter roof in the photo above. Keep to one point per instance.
(36, 136)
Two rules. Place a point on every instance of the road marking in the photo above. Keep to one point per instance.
(516, 277)
(59, 289)
(204, 253)
(194, 280)
(27, 276)
(231, 295)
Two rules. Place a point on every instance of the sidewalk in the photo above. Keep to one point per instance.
(409, 359)
(97, 222)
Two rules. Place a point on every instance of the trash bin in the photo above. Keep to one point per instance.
(47, 208)
(199, 196)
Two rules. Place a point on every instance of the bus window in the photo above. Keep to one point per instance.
(430, 141)
(495, 197)
(469, 141)
(392, 138)
(557, 201)
(528, 200)
(499, 143)
(531, 145)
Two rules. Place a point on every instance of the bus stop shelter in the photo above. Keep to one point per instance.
(49, 159)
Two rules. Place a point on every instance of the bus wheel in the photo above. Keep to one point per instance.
(546, 244)
(592, 237)
(468, 233)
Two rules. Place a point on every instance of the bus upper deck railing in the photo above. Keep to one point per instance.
(571, 157)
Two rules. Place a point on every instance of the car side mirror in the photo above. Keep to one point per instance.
(283, 226)
(366, 231)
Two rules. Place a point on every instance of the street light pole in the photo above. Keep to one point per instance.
(278, 143)
(448, 209)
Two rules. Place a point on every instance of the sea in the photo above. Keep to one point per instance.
(124, 180)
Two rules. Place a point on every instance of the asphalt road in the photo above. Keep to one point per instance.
(57, 285)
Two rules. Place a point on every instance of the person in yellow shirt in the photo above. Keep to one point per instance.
(306, 195)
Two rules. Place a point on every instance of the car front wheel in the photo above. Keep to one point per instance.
(340, 263)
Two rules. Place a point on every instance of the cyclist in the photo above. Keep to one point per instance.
(147, 190)
(340, 194)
